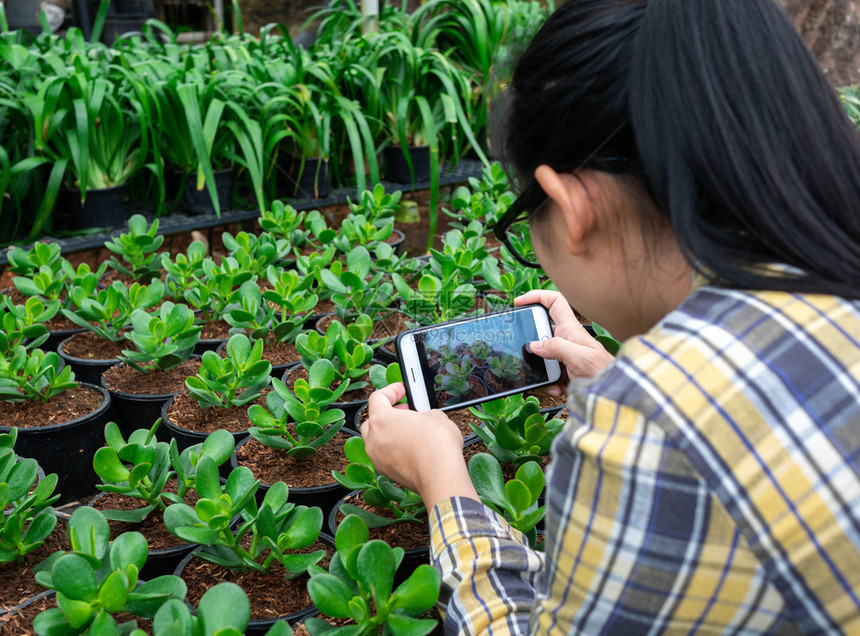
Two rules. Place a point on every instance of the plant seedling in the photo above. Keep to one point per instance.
(514, 429)
(359, 585)
(26, 262)
(33, 375)
(506, 367)
(306, 407)
(181, 272)
(481, 352)
(108, 314)
(376, 204)
(357, 229)
(436, 300)
(217, 287)
(353, 289)
(24, 324)
(462, 256)
(99, 579)
(511, 281)
(135, 252)
(142, 466)
(28, 518)
(516, 500)
(164, 339)
(234, 380)
(291, 294)
(274, 532)
(455, 378)
(283, 221)
(256, 253)
(377, 491)
(250, 315)
(344, 346)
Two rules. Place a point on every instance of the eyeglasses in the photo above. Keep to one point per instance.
(527, 204)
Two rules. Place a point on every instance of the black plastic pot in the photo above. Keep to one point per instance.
(67, 448)
(324, 496)
(186, 437)
(24, 14)
(133, 411)
(56, 337)
(86, 369)
(102, 208)
(398, 243)
(258, 627)
(412, 558)
(200, 201)
(397, 169)
(311, 181)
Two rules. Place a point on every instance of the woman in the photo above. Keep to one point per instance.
(692, 184)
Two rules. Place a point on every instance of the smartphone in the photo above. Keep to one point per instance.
(464, 362)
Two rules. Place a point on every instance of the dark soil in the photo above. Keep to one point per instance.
(271, 594)
(215, 330)
(18, 582)
(69, 405)
(186, 413)
(90, 346)
(126, 379)
(272, 465)
(497, 385)
(350, 396)
(388, 327)
(546, 400)
(278, 353)
(152, 527)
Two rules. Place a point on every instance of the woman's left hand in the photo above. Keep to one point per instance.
(421, 451)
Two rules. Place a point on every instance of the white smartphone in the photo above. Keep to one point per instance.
(464, 362)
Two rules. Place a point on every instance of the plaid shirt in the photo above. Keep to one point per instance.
(708, 481)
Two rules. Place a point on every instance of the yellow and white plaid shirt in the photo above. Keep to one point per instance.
(708, 481)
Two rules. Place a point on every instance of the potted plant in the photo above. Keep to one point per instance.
(266, 548)
(360, 586)
(99, 579)
(515, 430)
(155, 370)
(354, 289)
(134, 252)
(218, 393)
(291, 294)
(297, 438)
(505, 372)
(455, 382)
(106, 318)
(54, 414)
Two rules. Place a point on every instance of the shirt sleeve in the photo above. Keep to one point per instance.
(488, 571)
(636, 542)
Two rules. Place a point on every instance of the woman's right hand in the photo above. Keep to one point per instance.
(579, 353)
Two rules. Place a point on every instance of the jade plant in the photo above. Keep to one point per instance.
(134, 253)
(377, 490)
(290, 293)
(344, 345)
(25, 262)
(506, 366)
(376, 204)
(33, 375)
(273, 532)
(481, 352)
(163, 339)
(514, 430)
(516, 499)
(354, 289)
(25, 324)
(284, 221)
(256, 253)
(455, 379)
(300, 422)
(108, 312)
(28, 518)
(54, 284)
(357, 229)
(217, 287)
(462, 255)
(234, 380)
(510, 281)
(180, 271)
(141, 467)
(98, 579)
(436, 300)
(250, 314)
(224, 610)
(359, 585)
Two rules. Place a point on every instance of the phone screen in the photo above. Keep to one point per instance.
(465, 361)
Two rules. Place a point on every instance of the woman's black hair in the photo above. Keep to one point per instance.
(726, 119)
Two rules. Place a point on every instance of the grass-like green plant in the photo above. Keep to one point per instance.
(514, 430)
(99, 579)
(28, 518)
(306, 411)
(359, 585)
(377, 490)
(272, 533)
(234, 380)
(33, 375)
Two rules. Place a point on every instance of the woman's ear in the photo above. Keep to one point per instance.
(576, 206)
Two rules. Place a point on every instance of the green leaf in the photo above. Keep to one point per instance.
(114, 591)
(224, 605)
(376, 569)
(420, 591)
(74, 577)
(408, 626)
(518, 494)
(78, 613)
(145, 600)
(330, 595)
(129, 548)
(89, 532)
